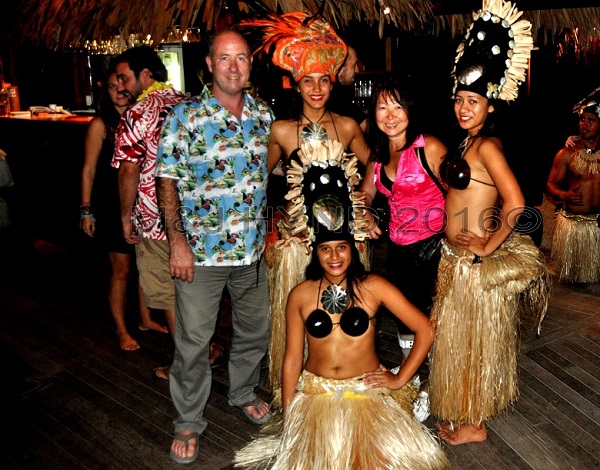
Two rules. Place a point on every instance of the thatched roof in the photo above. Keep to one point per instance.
(60, 24)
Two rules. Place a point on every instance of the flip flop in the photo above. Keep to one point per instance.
(256, 404)
(162, 329)
(186, 438)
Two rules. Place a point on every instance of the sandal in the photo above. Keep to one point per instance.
(256, 404)
(186, 438)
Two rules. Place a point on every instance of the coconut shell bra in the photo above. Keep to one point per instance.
(455, 170)
(354, 321)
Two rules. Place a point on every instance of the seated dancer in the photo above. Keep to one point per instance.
(342, 409)
(574, 181)
(312, 52)
(485, 269)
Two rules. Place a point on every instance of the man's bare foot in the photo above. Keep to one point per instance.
(216, 352)
(162, 372)
(462, 434)
(184, 448)
(152, 325)
(127, 343)
(257, 410)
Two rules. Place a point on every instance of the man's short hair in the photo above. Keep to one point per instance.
(144, 57)
(214, 37)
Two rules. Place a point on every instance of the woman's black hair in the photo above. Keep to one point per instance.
(356, 270)
(376, 138)
(489, 128)
(106, 108)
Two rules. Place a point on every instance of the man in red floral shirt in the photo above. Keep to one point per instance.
(142, 75)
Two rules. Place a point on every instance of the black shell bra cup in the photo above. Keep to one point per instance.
(353, 321)
(455, 170)
(456, 173)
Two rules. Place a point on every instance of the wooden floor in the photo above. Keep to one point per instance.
(71, 399)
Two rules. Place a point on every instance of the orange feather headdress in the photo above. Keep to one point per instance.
(302, 44)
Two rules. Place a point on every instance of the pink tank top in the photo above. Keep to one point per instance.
(416, 202)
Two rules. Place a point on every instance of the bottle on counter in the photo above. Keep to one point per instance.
(4, 101)
(13, 98)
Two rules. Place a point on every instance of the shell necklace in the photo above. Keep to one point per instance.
(334, 298)
(314, 130)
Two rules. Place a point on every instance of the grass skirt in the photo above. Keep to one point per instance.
(576, 247)
(287, 259)
(342, 425)
(473, 375)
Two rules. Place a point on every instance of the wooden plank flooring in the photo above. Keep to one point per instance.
(71, 399)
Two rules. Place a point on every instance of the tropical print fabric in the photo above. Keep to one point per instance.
(136, 142)
(220, 163)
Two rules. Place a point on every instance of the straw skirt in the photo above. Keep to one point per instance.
(473, 375)
(576, 247)
(342, 425)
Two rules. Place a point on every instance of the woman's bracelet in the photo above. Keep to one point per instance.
(85, 212)
(85, 209)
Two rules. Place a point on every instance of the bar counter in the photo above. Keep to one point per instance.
(45, 153)
(54, 117)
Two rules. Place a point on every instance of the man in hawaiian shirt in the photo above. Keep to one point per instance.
(211, 181)
(142, 75)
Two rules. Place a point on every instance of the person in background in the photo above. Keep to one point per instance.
(341, 408)
(100, 216)
(574, 182)
(342, 99)
(142, 75)
(349, 68)
(211, 174)
(405, 170)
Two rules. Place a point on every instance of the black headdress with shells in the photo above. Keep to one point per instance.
(492, 58)
(589, 104)
(322, 202)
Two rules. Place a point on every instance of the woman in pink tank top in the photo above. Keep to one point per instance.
(404, 169)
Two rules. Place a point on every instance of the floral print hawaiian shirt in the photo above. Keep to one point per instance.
(220, 163)
(136, 142)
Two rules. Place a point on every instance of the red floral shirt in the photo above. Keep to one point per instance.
(137, 142)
